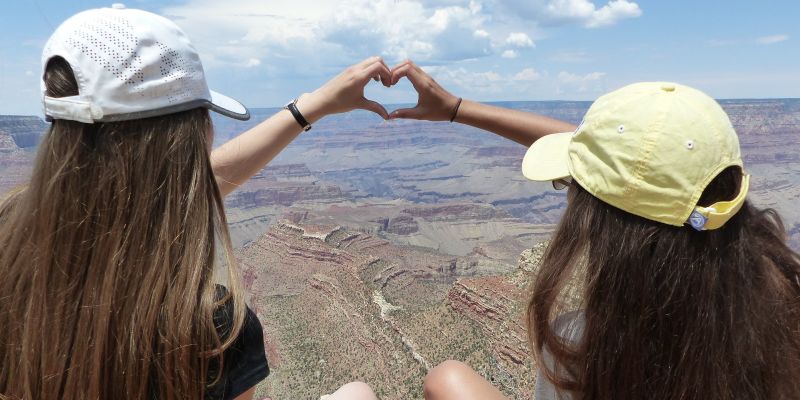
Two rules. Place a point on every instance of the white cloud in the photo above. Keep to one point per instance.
(571, 9)
(591, 82)
(400, 29)
(527, 74)
(527, 84)
(253, 62)
(567, 77)
(303, 33)
(285, 45)
(772, 39)
(763, 40)
(234, 32)
(613, 12)
(489, 82)
(586, 13)
(519, 39)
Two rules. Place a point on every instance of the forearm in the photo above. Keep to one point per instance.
(243, 156)
(240, 158)
(519, 126)
(237, 160)
(437, 104)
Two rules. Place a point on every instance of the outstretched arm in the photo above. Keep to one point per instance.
(240, 158)
(437, 104)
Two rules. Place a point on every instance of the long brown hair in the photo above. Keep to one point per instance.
(670, 313)
(107, 260)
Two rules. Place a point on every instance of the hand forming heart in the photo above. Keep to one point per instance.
(345, 92)
(434, 103)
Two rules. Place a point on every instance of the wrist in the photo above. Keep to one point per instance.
(461, 107)
(454, 112)
(312, 108)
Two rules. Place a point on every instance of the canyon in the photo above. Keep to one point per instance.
(339, 305)
(373, 250)
(19, 136)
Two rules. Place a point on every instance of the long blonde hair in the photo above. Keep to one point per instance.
(107, 260)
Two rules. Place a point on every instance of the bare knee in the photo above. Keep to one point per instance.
(445, 379)
(354, 391)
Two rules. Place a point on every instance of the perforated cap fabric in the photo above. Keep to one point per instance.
(129, 64)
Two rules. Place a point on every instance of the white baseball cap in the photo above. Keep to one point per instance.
(129, 64)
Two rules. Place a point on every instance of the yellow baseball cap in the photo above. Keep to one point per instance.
(650, 149)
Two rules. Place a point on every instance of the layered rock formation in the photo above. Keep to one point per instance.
(321, 322)
(339, 305)
(374, 250)
(25, 130)
(286, 194)
(284, 185)
(7, 143)
(15, 164)
(400, 225)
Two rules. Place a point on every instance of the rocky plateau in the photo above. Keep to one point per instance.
(374, 250)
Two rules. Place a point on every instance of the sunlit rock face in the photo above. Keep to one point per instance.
(7, 143)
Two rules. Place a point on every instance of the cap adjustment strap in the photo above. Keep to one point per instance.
(717, 214)
(72, 108)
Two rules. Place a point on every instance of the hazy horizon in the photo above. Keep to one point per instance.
(390, 106)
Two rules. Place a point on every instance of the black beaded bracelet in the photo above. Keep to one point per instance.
(455, 110)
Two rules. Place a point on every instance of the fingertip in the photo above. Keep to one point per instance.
(381, 111)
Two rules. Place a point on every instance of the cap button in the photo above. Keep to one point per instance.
(118, 6)
(668, 87)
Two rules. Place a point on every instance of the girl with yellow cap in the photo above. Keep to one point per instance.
(688, 290)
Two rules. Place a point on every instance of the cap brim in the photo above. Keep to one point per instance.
(548, 159)
(228, 107)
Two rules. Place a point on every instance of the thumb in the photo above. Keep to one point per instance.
(408, 113)
(375, 107)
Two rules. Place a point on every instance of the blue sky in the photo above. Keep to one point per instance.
(267, 52)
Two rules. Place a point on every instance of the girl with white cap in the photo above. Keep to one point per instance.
(687, 290)
(108, 255)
